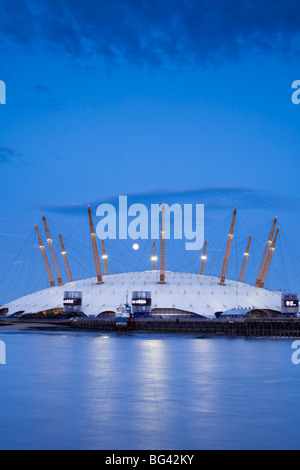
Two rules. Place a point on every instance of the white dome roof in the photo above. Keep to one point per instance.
(202, 295)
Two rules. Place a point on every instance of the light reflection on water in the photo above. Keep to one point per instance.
(147, 391)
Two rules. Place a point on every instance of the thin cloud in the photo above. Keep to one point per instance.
(214, 198)
(154, 32)
(42, 89)
(10, 235)
(9, 155)
(18, 262)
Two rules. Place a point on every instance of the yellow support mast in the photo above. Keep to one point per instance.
(95, 248)
(66, 262)
(153, 258)
(53, 254)
(203, 258)
(246, 256)
(228, 249)
(162, 258)
(104, 257)
(45, 259)
(268, 262)
(265, 255)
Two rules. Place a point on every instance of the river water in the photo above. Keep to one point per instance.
(64, 390)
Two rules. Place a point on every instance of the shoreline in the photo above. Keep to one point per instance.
(34, 325)
(254, 327)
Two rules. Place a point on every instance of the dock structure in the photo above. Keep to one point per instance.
(250, 327)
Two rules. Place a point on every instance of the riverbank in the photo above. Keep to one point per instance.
(250, 327)
(34, 325)
(256, 327)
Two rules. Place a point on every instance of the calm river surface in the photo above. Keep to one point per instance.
(82, 390)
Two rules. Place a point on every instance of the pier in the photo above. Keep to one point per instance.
(254, 327)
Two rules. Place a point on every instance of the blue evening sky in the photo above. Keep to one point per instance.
(172, 100)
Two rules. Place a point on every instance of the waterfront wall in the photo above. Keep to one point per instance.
(272, 327)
